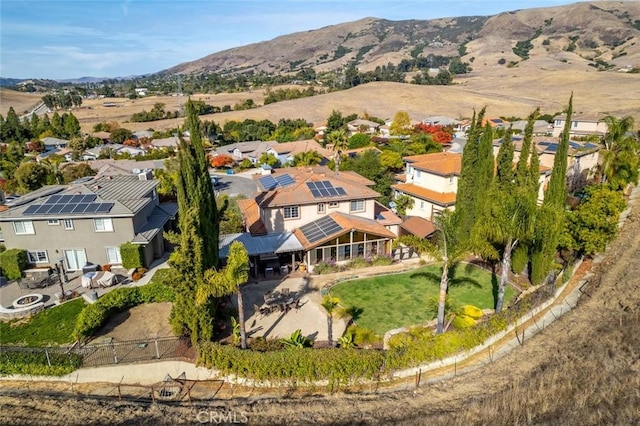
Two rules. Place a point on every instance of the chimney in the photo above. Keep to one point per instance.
(147, 174)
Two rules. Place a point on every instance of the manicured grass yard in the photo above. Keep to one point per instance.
(399, 300)
(53, 326)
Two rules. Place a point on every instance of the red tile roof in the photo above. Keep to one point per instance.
(440, 163)
(251, 213)
(441, 198)
(418, 226)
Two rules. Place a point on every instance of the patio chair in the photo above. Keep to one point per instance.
(23, 284)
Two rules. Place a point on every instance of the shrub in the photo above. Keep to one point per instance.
(519, 259)
(131, 255)
(261, 344)
(325, 268)
(357, 263)
(382, 260)
(13, 262)
(34, 362)
(471, 311)
(463, 321)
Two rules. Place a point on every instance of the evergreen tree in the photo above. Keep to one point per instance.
(504, 171)
(528, 148)
(549, 224)
(467, 182)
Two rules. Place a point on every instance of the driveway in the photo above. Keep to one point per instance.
(233, 185)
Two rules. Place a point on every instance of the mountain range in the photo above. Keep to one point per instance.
(603, 34)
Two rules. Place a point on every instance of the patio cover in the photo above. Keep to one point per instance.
(281, 242)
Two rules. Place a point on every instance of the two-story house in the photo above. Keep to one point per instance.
(431, 180)
(245, 150)
(334, 216)
(88, 220)
(581, 125)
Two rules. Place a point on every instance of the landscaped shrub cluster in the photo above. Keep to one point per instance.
(355, 263)
(94, 316)
(131, 255)
(300, 365)
(13, 262)
(35, 363)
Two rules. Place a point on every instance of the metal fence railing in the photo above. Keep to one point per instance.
(107, 353)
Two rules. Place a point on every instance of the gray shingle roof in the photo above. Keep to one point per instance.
(155, 223)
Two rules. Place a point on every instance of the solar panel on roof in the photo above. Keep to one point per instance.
(324, 192)
(54, 199)
(79, 208)
(104, 207)
(320, 229)
(316, 193)
(268, 182)
(31, 209)
(76, 199)
(57, 208)
(341, 191)
(64, 199)
(44, 209)
(285, 180)
(553, 147)
(311, 185)
(92, 208)
(67, 208)
(89, 198)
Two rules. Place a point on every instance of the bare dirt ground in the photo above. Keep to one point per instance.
(144, 321)
(583, 369)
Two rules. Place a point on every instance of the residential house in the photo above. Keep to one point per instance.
(103, 136)
(357, 151)
(64, 152)
(51, 144)
(431, 180)
(581, 125)
(88, 220)
(286, 151)
(540, 127)
(334, 216)
(245, 150)
(131, 150)
(582, 160)
(441, 120)
(143, 134)
(363, 126)
(166, 143)
(111, 167)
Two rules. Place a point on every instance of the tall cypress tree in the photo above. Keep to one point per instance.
(504, 169)
(467, 185)
(197, 250)
(528, 148)
(550, 216)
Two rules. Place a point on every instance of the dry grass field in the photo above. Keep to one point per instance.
(20, 101)
(541, 82)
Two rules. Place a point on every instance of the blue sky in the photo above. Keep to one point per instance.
(108, 38)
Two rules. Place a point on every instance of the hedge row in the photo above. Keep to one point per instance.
(121, 299)
(35, 363)
(300, 365)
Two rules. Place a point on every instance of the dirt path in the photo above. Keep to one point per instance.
(583, 369)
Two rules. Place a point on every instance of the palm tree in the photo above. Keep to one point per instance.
(449, 249)
(228, 281)
(332, 307)
(340, 143)
(508, 221)
(307, 158)
(615, 144)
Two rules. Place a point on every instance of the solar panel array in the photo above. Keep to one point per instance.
(320, 229)
(69, 204)
(324, 188)
(270, 182)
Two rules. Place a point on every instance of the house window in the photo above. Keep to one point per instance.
(357, 205)
(291, 212)
(450, 179)
(103, 225)
(37, 256)
(418, 174)
(113, 255)
(23, 227)
(333, 204)
(558, 122)
(53, 222)
(68, 224)
(421, 205)
(575, 124)
(321, 208)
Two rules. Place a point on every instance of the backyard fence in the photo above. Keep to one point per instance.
(94, 355)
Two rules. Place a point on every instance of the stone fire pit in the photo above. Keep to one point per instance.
(28, 300)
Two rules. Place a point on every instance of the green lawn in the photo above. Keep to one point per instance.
(53, 326)
(391, 301)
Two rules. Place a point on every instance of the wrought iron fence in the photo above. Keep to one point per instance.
(107, 353)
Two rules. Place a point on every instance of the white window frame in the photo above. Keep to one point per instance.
(53, 222)
(33, 256)
(357, 203)
(291, 210)
(106, 224)
(451, 179)
(334, 204)
(322, 208)
(421, 205)
(68, 224)
(116, 251)
(26, 225)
